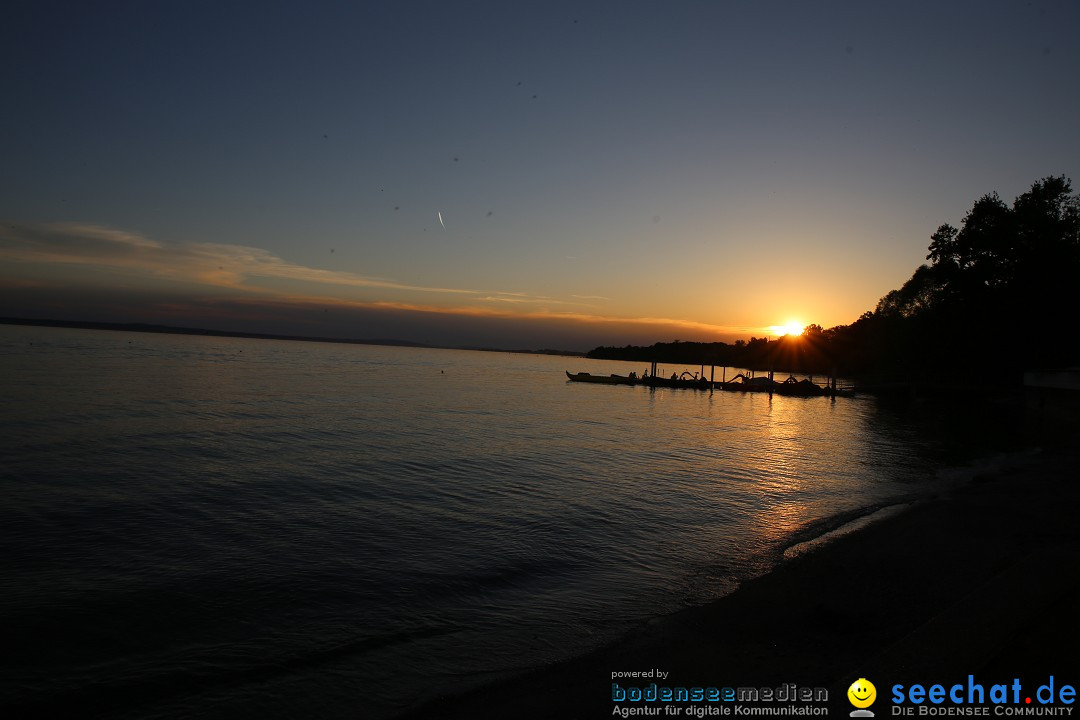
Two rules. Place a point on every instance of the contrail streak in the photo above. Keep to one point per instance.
(440, 220)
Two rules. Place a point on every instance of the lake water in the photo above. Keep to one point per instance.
(218, 527)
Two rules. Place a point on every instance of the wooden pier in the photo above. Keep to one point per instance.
(742, 382)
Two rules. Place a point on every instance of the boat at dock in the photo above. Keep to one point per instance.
(604, 379)
(790, 387)
(689, 383)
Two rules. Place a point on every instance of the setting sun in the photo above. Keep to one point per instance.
(791, 328)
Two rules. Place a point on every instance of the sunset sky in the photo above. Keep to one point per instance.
(605, 172)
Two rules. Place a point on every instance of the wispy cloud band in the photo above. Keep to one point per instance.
(240, 267)
(214, 264)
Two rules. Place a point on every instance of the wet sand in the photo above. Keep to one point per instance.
(982, 580)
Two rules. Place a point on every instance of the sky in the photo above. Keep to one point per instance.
(514, 175)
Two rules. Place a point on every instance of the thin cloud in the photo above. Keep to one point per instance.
(584, 318)
(516, 297)
(213, 264)
(490, 298)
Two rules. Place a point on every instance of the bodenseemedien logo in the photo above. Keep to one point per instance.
(862, 694)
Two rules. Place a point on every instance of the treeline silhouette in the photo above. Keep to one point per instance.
(809, 353)
(1001, 294)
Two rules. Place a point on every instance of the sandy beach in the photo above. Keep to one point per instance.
(980, 580)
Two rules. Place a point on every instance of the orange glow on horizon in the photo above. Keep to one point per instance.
(792, 327)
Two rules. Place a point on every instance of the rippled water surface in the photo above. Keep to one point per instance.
(219, 527)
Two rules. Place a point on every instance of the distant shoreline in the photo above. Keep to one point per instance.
(172, 330)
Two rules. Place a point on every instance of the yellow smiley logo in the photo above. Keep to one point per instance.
(862, 693)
